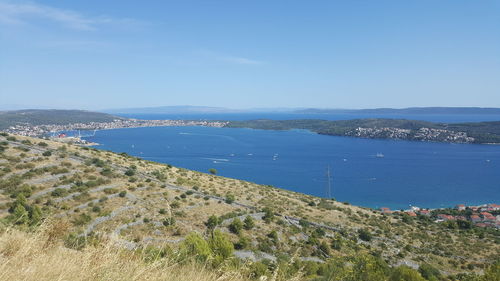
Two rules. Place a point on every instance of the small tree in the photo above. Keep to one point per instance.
(212, 171)
(236, 226)
(35, 215)
(405, 273)
(230, 199)
(21, 216)
(221, 246)
(212, 222)
(130, 172)
(248, 223)
(195, 246)
(364, 235)
(268, 215)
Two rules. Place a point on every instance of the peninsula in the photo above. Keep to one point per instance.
(378, 128)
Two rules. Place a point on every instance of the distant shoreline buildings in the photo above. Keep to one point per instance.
(486, 215)
(47, 130)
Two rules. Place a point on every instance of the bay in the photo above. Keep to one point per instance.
(421, 174)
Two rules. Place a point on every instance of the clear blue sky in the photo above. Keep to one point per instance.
(97, 54)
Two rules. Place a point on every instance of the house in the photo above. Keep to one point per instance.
(425, 213)
(475, 218)
(489, 217)
(385, 210)
(494, 207)
(445, 217)
(411, 214)
(460, 207)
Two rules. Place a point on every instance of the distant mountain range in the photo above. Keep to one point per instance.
(181, 109)
(187, 109)
(409, 110)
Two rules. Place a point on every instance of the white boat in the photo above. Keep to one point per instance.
(380, 155)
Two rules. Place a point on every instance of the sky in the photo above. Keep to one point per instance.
(94, 54)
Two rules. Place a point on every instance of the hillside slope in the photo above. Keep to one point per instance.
(135, 205)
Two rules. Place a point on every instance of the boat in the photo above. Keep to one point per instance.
(380, 155)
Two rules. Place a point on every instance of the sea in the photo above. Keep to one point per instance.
(367, 172)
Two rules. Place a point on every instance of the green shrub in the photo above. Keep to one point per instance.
(364, 235)
(221, 246)
(236, 226)
(169, 221)
(212, 222)
(405, 273)
(194, 246)
(268, 215)
(248, 223)
(58, 192)
(229, 199)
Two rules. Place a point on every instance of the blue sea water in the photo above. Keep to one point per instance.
(421, 174)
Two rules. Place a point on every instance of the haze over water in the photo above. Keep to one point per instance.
(421, 174)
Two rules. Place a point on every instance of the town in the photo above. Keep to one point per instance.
(53, 129)
(486, 215)
(422, 134)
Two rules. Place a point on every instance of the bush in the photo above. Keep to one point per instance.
(248, 223)
(229, 199)
(243, 243)
(212, 171)
(236, 226)
(221, 246)
(58, 192)
(428, 271)
(364, 235)
(405, 273)
(212, 222)
(47, 153)
(122, 193)
(268, 215)
(130, 172)
(196, 247)
(169, 221)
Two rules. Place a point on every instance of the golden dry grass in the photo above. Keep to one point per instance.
(38, 257)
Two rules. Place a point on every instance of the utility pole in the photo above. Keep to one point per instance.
(329, 187)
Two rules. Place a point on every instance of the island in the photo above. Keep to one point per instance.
(380, 128)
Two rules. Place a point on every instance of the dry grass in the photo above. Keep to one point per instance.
(29, 256)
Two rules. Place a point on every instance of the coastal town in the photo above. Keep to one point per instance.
(422, 134)
(55, 130)
(486, 215)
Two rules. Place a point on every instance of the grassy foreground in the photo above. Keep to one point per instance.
(41, 256)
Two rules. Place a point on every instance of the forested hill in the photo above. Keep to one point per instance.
(37, 117)
(478, 132)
